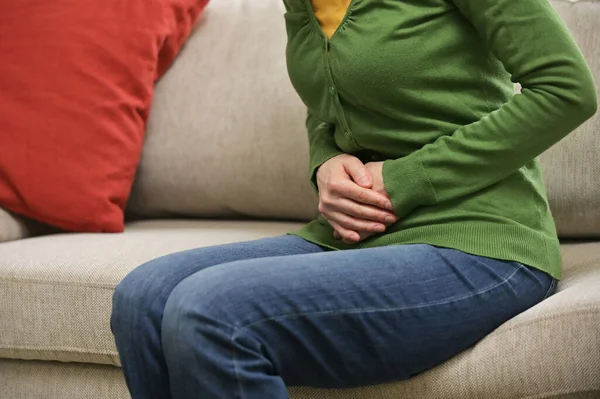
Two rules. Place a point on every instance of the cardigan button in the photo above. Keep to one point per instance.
(332, 90)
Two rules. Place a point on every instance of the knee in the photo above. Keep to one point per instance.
(125, 299)
(195, 298)
(185, 316)
(133, 296)
(205, 302)
(178, 322)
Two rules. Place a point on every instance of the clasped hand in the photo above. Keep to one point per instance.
(353, 199)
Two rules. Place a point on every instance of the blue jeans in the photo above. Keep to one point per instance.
(246, 320)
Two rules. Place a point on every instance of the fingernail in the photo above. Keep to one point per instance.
(388, 206)
(379, 228)
(390, 219)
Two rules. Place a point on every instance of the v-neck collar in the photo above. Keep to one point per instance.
(317, 25)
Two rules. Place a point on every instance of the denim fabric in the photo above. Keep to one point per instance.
(246, 320)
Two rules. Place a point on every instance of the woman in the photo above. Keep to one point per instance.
(434, 230)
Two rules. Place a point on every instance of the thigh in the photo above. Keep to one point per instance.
(161, 275)
(358, 317)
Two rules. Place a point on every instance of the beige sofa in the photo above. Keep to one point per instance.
(226, 140)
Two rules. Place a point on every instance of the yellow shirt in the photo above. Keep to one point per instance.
(330, 14)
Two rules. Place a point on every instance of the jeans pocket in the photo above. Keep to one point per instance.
(552, 288)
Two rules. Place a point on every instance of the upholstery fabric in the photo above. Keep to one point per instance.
(572, 167)
(226, 134)
(56, 291)
(56, 294)
(14, 227)
(53, 380)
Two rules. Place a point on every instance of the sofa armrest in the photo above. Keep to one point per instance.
(14, 227)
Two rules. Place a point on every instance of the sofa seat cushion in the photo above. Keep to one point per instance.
(56, 291)
(56, 299)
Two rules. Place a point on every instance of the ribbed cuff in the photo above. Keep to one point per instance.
(407, 184)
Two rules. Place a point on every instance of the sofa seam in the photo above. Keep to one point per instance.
(588, 311)
(46, 282)
(58, 348)
(114, 354)
(556, 392)
(579, 312)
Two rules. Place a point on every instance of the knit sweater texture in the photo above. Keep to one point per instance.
(427, 87)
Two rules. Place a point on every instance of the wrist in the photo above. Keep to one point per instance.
(318, 162)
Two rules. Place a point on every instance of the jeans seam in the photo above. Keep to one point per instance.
(236, 330)
(235, 364)
(551, 288)
(359, 311)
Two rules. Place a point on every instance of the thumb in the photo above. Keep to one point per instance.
(358, 172)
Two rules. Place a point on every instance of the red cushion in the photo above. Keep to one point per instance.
(76, 83)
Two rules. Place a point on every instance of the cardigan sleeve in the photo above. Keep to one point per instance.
(322, 146)
(558, 94)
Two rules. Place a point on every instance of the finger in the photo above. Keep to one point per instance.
(348, 236)
(348, 189)
(365, 235)
(362, 211)
(354, 224)
(358, 172)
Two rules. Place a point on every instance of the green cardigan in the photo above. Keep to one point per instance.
(425, 85)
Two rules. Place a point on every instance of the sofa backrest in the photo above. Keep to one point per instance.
(226, 136)
(572, 167)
